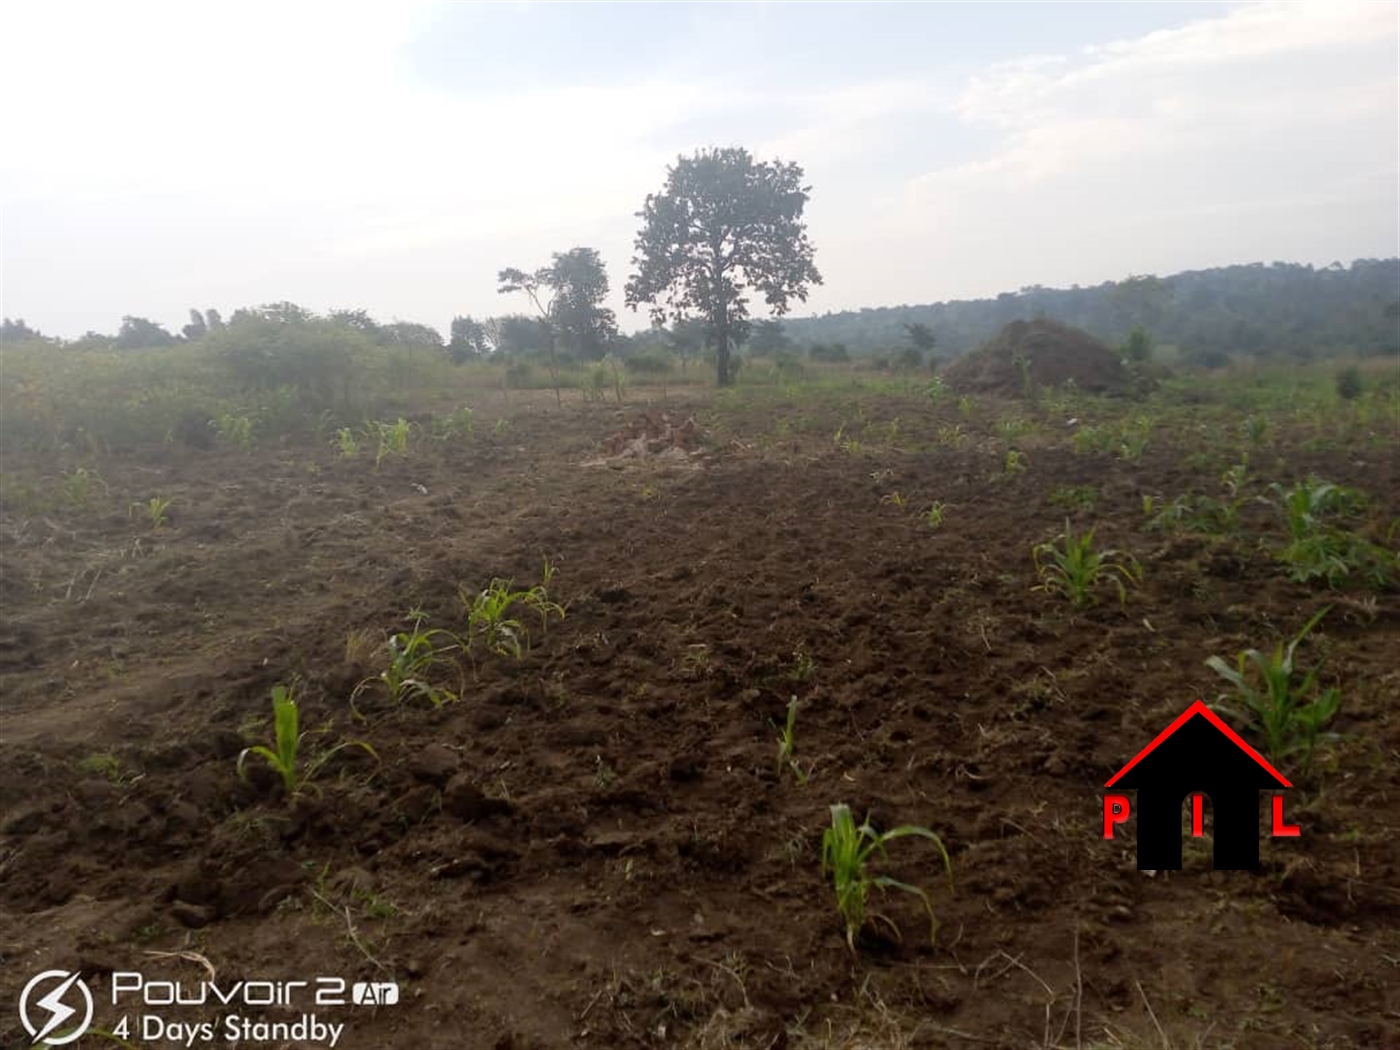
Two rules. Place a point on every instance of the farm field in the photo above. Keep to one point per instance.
(589, 841)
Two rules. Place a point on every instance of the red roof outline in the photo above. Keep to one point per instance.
(1199, 708)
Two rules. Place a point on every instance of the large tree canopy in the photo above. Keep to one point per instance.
(722, 227)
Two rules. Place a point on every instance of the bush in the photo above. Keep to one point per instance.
(648, 364)
(829, 352)
(316, 358)
(1349, 385)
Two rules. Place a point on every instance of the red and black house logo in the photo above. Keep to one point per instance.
(1197, 755)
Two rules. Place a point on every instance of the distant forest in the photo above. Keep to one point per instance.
(1204, 318)
(1281, 310)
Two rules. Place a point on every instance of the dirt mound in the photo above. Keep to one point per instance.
(1051, 352)
(656, 435)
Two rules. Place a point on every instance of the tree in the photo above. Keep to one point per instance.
(196, 329)
(468, 340)
(580, 283)
(921, 336)
(212, 320)
(359, 321)
(722, 226)
(515, 334)
(687, 339)
(139, 333)
(768, 339)
(17, 329)
(411, 336)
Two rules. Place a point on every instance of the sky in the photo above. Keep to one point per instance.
(394, 157)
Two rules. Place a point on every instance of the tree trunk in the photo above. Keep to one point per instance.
(726, 378)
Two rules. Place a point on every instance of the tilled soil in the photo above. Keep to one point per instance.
(595, 846)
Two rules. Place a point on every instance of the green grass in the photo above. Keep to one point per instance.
(848, 855)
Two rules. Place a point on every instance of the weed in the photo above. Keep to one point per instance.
(1077, 497)
(803, 666)
(1076, 570)
(1014, 463)
(1288, 712)
(966, 407)
(285, 757)
(1014, 428)
(894, 499)
(103, 764)
(845, 442)
(937, 390)
(77, 486)
(847, 852)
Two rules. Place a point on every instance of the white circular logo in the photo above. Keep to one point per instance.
(55, 1011)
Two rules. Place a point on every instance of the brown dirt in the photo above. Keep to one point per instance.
(594, 847)
(1057, 354)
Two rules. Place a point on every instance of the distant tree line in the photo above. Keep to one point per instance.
(1282, 310)
(696, 294)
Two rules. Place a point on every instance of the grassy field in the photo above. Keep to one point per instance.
(405, 678)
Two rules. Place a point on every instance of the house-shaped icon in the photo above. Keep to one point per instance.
(1198, 753)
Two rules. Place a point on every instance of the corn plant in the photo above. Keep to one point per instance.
(412, 656)
(936, 390)
(847, 855)
(77, 486)
(894, 499)
(458, 424)
(1288, 709)
(1015, 463)
(235, 430)
(286, 756)
(1133, 437)
(1320, 547)
(951, 435)
(393, 438)
(966, 407)
(157, 508)
(346, 443)
(787, 741)
(933, 517)
(1079, 497)
(489, 617)
(1076, 570)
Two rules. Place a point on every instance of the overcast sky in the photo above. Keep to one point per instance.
(395, 157)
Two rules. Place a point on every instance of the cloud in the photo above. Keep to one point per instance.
(1272, 119)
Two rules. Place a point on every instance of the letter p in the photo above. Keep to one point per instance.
(1115, 811)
